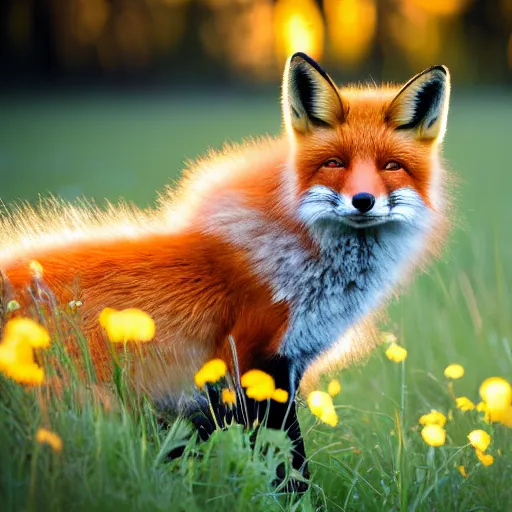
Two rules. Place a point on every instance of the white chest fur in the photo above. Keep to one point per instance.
(354, 271)
(350, 274)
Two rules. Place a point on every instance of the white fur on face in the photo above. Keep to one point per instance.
(349, 275)
(363, 257)
(323, 204)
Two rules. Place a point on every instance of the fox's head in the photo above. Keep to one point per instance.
(365, 156)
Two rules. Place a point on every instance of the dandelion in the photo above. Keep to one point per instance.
(259, 385)
(462, 471)
(321, 405)
(27, 331)
(485, 459)
(212, 371)
(44, 436)
(127, 325)
(454, 371)
(504, 417)
(433, 435)
(280, 395)
(17, 362)
(228, 397)
(464, 403)
(334, 387)
(480, 439)
(496, 392)
(396, 353)
(433, 418)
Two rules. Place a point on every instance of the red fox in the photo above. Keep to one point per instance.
(284, 244)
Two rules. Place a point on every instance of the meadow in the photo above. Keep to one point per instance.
(114, 448)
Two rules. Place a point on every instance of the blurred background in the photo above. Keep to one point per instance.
(108, 98)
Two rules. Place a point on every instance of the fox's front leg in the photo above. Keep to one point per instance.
(278, 415)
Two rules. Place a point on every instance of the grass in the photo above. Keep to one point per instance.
(375, 459)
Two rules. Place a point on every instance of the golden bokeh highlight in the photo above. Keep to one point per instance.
(298, 27)
(351, 26)
(441, 7)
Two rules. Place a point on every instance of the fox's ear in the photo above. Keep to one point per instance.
(421, 106)
(310, 97)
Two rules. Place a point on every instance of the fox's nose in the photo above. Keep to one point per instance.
(363, 201)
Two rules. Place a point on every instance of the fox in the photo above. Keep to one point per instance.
(287, 246)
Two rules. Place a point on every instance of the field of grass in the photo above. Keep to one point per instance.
(114, 450)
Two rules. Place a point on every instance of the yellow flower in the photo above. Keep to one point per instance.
(127, 325)
(503, 416)
(334, 387)
(464, 403)
(496, 392)
(396, 353)
(433, 418)
(228, 396)
(484, 458)
(211, 372)
(388, 337)
(259, 385)
(454, 371)
(48, 437)
(321, 405)
(433, 435)
(26, 330)
(480, 439)
(462, 471)
(17, 362)
(36, 268)
(280, 395)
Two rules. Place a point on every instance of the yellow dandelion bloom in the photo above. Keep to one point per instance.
(454, 371)
(503, 416)
(433, 435)
(228, 397)
(484, 458)
(17, 362)
(480, 439)
(433, 418)
(280, 395)
(496, 392)
(464, 403)
(388, 337)
(334, 387)
(36, 268)
(462, 471)
(130, 324)
(259, 385)
(396, 353)
(321, 406)
(50, 438)
(212, 371)
(27, 330)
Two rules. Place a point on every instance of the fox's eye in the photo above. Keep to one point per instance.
(334, 163)
(392, 166)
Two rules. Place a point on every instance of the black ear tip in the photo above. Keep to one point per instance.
(441, 71)
(298, 56)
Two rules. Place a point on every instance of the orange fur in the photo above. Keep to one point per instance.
(171, 262)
